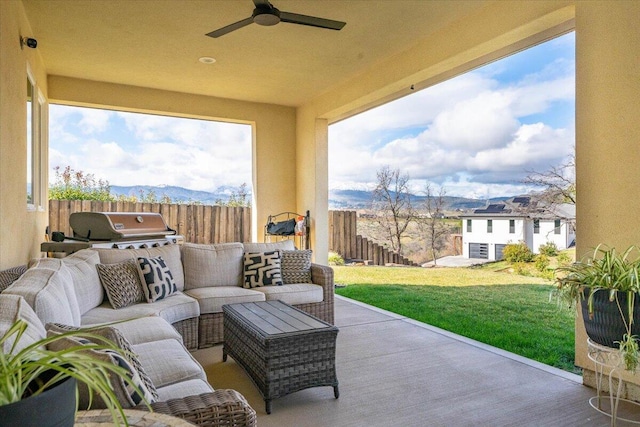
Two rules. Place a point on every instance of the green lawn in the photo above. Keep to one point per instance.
(504, 310)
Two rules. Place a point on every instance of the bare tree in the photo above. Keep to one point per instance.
(559, 183)
(392, 204)
(432, 225)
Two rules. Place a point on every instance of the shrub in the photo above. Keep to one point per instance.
(517, 252)
(520, 268)
(335, 259)
(563, 258)
(548, 274)
(548, 249)
(542, 262)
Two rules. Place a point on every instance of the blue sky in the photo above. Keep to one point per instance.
(476, 135)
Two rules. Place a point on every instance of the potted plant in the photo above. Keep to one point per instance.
(607, 285)
(31, 375)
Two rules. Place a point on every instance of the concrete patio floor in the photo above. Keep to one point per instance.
(394, 371)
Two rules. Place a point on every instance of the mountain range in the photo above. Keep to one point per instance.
(338, 199)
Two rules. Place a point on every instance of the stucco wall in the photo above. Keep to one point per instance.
(607, 131)
(21, 231)
(274, 136)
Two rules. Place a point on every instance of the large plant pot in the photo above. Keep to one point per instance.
(606, 326)
(55, 407)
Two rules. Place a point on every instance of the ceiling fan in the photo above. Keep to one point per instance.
(266, 14)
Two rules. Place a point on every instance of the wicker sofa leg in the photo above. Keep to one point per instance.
(221, 408)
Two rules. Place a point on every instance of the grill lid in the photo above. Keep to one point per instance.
(118, 225)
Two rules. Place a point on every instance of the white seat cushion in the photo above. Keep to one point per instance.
(297, 293)
(183, 389)
(212, 299)
(173, 309)
(168, 362)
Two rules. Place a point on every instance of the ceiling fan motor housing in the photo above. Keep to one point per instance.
(266, 16)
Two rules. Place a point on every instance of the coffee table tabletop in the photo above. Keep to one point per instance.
(274, 318)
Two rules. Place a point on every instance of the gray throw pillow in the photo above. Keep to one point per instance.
(296, 266)
(121, 282)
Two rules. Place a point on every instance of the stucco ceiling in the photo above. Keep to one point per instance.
(157, 43)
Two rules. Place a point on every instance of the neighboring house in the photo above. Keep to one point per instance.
(486, 231)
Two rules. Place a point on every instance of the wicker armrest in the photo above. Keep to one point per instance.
(224, 408)
(323, 275)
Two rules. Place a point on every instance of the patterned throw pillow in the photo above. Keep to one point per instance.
(296, 267)
(121, 282)
(262, 269)
(7, 277)
(157, 280)
(126, 394)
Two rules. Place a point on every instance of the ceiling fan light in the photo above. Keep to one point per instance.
(267, 17)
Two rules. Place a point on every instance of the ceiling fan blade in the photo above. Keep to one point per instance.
(313, 21)
(232, 27)
(262, 3)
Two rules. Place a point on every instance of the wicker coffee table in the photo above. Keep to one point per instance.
(281, 348)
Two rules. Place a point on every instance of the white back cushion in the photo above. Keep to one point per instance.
(212, 265)
(49, 292)
(285, 245)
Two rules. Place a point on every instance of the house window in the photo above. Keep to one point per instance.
(536, 226)
(556, 226)
(36, 131)
(468, 226)
(489, 226)
(512, 226)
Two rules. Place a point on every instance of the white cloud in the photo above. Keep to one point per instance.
(470, 133)
(93, 120)
(157, 150)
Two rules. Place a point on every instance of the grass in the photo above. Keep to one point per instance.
(503, 310)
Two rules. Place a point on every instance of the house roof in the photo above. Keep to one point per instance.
(525, 207)
(157, 44)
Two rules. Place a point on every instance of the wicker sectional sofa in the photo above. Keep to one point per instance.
(68, 291)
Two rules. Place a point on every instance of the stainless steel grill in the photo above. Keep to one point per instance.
(113, 230)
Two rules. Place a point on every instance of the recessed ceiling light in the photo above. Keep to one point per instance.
(206, 60)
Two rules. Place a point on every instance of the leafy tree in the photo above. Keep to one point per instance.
(431, 225)
(392, 204)
(78, 185)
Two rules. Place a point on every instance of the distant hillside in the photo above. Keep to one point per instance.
(360, 199)
(176, 194)
(338, 199)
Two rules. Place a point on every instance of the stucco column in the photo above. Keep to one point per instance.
(607, 131)
(312, 147)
